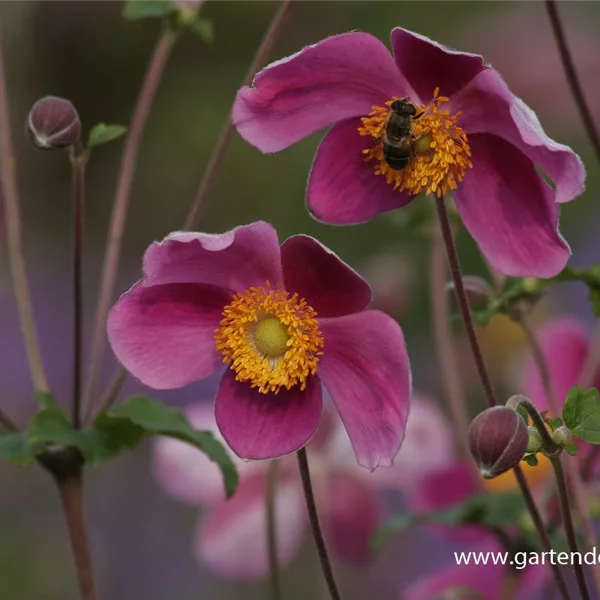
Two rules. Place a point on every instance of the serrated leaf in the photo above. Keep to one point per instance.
(531, 460)
(157, 419)
(103, 134)
(15, 448)
(204, 28)
(581, 413)
(143, 9)
(488, 510)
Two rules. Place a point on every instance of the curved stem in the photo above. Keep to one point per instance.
(156, 67)
(70, 488)
(575, 476)
(444, 347)
(114, 387)
(463, 304)
(463, 301)
(12, 215)
(262, 54)
(274, 578)
(316, 526)
(572, 77)
(565, 509)
(78, 161)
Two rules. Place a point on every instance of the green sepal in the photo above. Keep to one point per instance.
(102, 133)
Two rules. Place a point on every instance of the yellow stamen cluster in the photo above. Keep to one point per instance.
(271, 339)
(440, 150)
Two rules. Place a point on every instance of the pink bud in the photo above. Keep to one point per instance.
(498, 439)
(53, 123)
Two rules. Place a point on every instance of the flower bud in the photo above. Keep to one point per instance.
(562, 436)
(535, 440)
(479, 291)
(53, 123)
(498, 439)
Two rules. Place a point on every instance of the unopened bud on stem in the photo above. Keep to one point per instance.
(562, 436)
(498, 439)
(535, 440)
(53, 123)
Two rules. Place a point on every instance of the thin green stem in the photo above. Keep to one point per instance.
(220, 149)
(156, 67)
(316, 525)
(78, 163)
(274, 570)
(10, 202)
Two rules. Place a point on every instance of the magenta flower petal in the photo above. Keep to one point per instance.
(485, 580)
(258, 426)
(232, 537)
(510, 211)
(427, 64)
(350, 513)
(327, 283)
(365, 367)
(565, 345)
(164, 334)
(488, 106)
(238, 259)
(340, 77)
(342, 188)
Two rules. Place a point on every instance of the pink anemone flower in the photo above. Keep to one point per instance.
(231, 536)
(472, 136)
(441, 490)
(284, 319)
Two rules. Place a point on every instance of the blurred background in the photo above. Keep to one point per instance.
(86, 52)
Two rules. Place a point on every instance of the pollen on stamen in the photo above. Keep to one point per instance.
(441, 154)
(271, 339)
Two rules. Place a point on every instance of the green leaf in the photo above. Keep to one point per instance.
(204, 28)
(581, 413)
(15, 448)
(571, 449)
(142, 9)
(489, 510)
(155, 418)
(554, 423)
(103, 133)
(531, 460)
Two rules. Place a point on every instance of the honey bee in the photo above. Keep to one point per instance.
(397, 139)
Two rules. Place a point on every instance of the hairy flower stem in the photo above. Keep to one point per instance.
(575, 476)
(10, 202)
(446, 354)
(274, 577)
(572, 77)
(78, 158)
(7, 423)
(71, 495)
(154, 73)
(216, 159)
(316, 526)
(463, 304)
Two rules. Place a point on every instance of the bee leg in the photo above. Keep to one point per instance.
(419, 115)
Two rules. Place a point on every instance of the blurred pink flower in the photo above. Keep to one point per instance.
(566, 345)
(483, 138)
(531, 64)
(231, 536)
(444, 489)
(285, 319)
